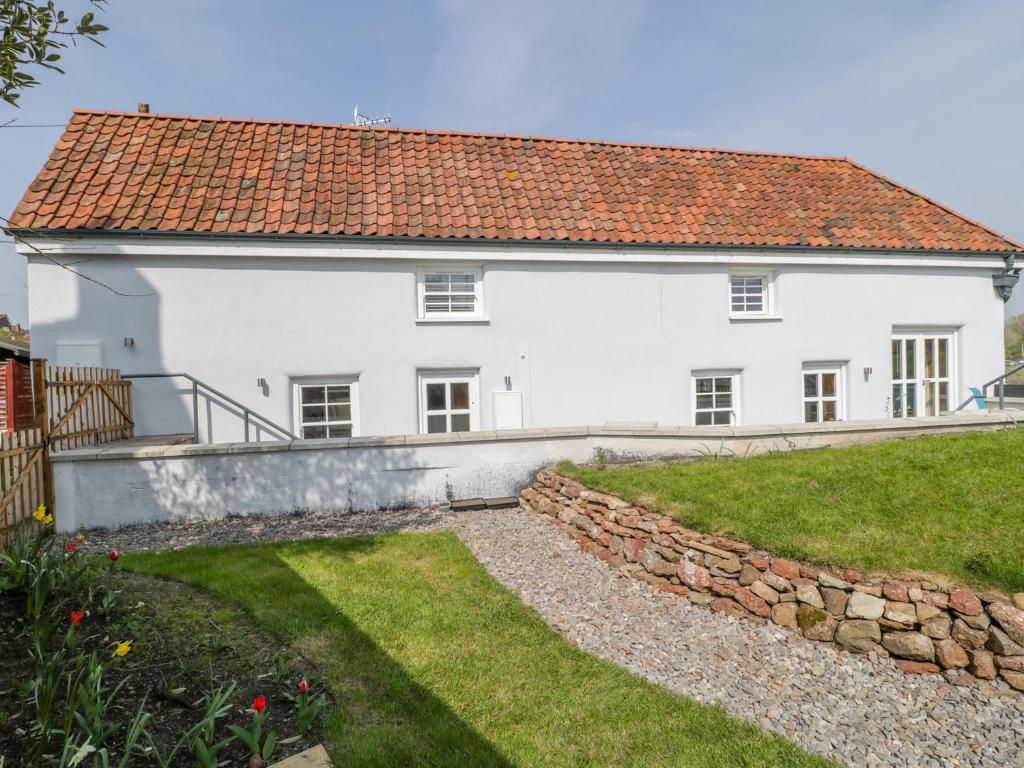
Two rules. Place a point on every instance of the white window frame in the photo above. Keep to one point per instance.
(768, 309)
(352, 382)
(471, 377)
(920, 381)
(839, 371)
(732, 374)
(448, 317)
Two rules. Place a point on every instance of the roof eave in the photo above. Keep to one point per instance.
(26, 233)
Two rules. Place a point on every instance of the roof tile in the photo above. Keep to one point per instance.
(123, 171)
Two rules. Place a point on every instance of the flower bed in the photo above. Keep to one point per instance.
(104, 668)
(923, 626)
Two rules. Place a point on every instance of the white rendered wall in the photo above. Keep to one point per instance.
(116, 485)
(587, 342)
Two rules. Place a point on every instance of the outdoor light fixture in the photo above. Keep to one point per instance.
(129, 341)
(867, 372)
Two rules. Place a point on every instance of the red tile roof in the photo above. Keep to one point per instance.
(149, 172)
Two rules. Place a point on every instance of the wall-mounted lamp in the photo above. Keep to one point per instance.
(867, 372)
(508, 383)
(262, 385)
(129, 342)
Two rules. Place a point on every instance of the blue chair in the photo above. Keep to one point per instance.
(979, 398)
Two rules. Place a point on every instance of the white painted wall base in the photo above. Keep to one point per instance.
(116, 485)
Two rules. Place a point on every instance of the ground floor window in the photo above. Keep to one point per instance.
(922, 366)
(822, 393)
(326, 408)
(449, 402)
(715, 398)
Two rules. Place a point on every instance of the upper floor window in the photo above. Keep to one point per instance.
(449, 294)
(326, 408)
(751, 295)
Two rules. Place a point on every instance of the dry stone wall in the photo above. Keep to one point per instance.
(924, 627)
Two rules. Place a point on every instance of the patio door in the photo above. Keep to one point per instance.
(922, 368)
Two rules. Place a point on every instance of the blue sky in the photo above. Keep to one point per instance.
(926, 92)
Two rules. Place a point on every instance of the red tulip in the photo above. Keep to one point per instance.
(114, 555)
(77, 617)
(259, 704)
(69, 547)
(303, 686)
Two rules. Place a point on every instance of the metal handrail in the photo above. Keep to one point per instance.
(987, 384)
(247, 413)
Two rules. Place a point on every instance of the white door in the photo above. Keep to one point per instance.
(922, 378)
(449, 402)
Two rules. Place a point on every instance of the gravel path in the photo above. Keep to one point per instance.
(857, 710)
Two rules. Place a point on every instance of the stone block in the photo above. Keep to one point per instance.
(835, 600)
(1010, 620)
(748, 575)
(864, 606)
(765, 592)
(901, 613)
(971, 639)
(785, 568)
(982, 664)
(776, 582)
(859, 635)
(909, 645)
(815, 623)
(784, 614)
(937, 627)
(756, 605)
(949, 654)
(964, 601)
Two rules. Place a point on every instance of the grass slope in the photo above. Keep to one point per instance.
(951, 505)
(434, 663)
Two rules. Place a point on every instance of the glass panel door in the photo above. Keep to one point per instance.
(936, 374)
(904, 377)
(921, 374)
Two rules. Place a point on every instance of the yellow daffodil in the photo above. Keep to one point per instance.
(40, 514)
(123, 648)
(47, 519)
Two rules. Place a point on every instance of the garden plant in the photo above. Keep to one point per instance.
(78, 699)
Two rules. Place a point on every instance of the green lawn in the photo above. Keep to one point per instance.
(433, 663)
(951, 505)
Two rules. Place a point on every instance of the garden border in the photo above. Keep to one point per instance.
(924, 626)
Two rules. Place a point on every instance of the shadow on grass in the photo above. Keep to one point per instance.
(383, 717)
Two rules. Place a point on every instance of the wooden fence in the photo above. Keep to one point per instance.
(16, 411)
(86, 406)
(74, 408)
(23, 460)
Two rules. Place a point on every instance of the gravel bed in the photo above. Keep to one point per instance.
(857, 710)
(242, 530)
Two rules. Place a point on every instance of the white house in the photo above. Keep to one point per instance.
(345, 280)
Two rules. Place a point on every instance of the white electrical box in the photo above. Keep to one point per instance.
(88, 354)
(508, 410)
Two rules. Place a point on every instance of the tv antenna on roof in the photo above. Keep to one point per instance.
(369, 120)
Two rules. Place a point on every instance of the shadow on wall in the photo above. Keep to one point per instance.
(127, 329)
(316, 478)
(282, 482)
(383, 717)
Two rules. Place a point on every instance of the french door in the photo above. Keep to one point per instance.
(922, 365)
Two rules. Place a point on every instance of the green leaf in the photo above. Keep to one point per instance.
(268, 745)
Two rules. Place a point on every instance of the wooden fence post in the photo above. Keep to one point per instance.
(42, 418)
